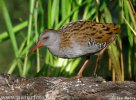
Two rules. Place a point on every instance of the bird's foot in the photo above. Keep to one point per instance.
(79, 76)
(94, 75)
(76, 77)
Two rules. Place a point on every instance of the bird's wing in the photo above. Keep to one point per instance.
(85, 31)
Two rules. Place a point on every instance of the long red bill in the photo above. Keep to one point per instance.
(39, 44)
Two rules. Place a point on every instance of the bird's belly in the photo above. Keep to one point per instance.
(76, 50)
(71, 53)
(79, 50)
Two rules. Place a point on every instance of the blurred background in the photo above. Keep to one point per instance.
(22, 21)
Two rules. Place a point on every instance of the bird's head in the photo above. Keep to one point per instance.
(47, 38)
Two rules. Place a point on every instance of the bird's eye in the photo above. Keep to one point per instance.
(44, 38)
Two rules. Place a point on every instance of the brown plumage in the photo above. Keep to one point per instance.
(82, 31)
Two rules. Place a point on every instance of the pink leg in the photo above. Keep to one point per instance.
(97, 61)
(80, 73)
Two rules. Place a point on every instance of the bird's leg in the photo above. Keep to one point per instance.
(82, 68)
(97, 61)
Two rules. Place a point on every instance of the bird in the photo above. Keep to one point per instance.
(81, 38)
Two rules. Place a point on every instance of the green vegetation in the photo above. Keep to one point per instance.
(120, 61)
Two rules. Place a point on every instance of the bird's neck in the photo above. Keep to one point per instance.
(55, 47)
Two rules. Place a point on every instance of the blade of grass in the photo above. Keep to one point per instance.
(25, 66)
(54, 15)
(86, 11)
(75, 14)
(114, 55)
(127, 15)
(74, 64)
(9, 27)
(11, 32)
(49, 14)
(41, 17)
(69, 15)
(36, 35)
(65, 9)
(17, 28)
(15, 61)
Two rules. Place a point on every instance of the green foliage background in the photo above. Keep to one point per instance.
(23, 21)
